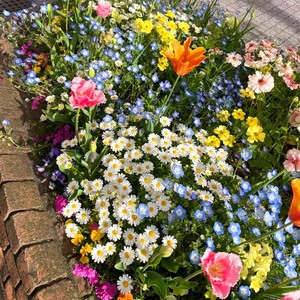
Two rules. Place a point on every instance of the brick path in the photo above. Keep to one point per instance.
(273, 19)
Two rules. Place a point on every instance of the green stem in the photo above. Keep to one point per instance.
(282, 284)
(165, 102)
(264, 235)
(76, 124)
(67, 15)
(193, 275)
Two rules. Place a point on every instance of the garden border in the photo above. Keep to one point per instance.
(32, 263)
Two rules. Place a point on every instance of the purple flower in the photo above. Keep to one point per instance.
(106, 290)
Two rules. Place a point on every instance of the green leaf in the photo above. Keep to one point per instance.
(76, 194)
(120, 266)
(58, 117)
(170, 265)
(156, 281)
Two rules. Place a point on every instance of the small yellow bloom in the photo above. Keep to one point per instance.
(229, 141)
(238, 114)
(184, 27)
(223, 115)
(77, 239)
(163, 63)
(255, 133)
(212, 141)
(172, 25)
(252, 121)
(246, 93)
(170, 14)
(37, 70)
(84, 259)
(97, 235)
(85, 250)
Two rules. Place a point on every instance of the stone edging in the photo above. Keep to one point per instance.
(32, 265)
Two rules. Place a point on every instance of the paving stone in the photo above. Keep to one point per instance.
(10, 99)
(27, 228)
(15, 168)
(8, 148)
(61, 290)
(4, 273)
(4, 242)
(16, 119)
(41, 265)
(9, 291)
(20, 196)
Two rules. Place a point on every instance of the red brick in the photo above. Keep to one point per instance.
(27, 228)
(41, 265)
(12, 267)
(15, 168)
(4, 273)
(61, 290)
(9, 291)
(19, 196)
(2, 291)
(4, 242)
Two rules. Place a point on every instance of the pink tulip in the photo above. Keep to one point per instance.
(292, 163)
(222, 270)
(103, 9)
(292, 296)
(84, 94)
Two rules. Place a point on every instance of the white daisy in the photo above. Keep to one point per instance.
(153, 209)
(127, 255)
(104, 224)
(114, 232)
(165, 143)
(215, 186)
(99, 254)
(74, 206)
(142, 240)
(110, 248)
(169, 241)
(83, 216)
(66, 212)
(109, 174)
(125, 284)
(200, 180)
(68, 165)
(132, 131)
(165, 121)
(164, 157)
(103, 213)
(98, 184)
(154, 139)
(115, 165)
(72, 187)
(152, 233)
(129, 236)
(50, 99)
(157, 185)
(123, 212)
(148, 166)
(134, 220)
(146, 180)
(164, 204)
(207, 196)
(136, 154)
(148, 148)
(62, 159)
(65, 144)
(71, 230)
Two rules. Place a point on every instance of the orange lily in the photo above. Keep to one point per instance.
(183, 59)
(125, 297)
(294, 212)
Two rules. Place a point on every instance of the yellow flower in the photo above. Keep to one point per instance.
(256, 284)
(238, 114)
(229, 140)
(77, 239)
(163, 63)
(37, 70)
(255, 133)
(212, 141)
(223, 115)
(252, 121)
(184, 27)
(48, 68)
(85, 250)
(97, 235)
(221, 131)
(170, 14)
(84, 259)
(172, 25)
(246, 93)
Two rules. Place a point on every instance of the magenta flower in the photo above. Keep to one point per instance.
(222, 270)
(87, 272)
(59, 203)
(103, 9)
(292, 163)
(292, 296)
(84, 94)
(106, 290)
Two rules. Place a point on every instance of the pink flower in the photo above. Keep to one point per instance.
(234, 59)
(106, 290)
(260, 83)
(223, 271)
(294, 118)
(103, 9)
(251, 46)
(290, 82)
(84, 94)
(292, 296)
(292, 163)
(59, 203)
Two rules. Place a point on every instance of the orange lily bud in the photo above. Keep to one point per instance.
(183, 59)
(125, 297)
(294, 212)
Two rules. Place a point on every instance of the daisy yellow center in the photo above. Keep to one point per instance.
(115, 232)
(169, 243)
(127, 254)
(125, 284)
(151, 234)
(144, 252)
(99, 253)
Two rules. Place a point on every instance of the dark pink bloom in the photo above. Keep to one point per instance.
(106, 290)
(222, 270)
(87, 272)
(94, 226)
(84, 94)
(103, 9)
(292, 296)
(292, 163)
(59, 203)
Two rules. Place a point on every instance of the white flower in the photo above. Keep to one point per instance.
(71, 230)
(134, 220)
(215, 186)
(157, 185)
(65, 144)
(206, 196)
(83, 216)
(103, 213)
(62, 159)
(260, 83)
(146, 180)
(148, 166)
(129, 236)
(164, 204)
(154, 139)
(66, 212)
(234, 59)
(149, 148)
(152, 233)
(111, 248)
(72, 187)
(153, 209)
(98, 184)
(61, 79)
(94, 125)
(143, 254)
(68, 165)
(136, 154)
(125, 187)
(74, 206)
(164, 157)
(104, 224)
(142, 240)
(132, 131)
(169, 241)
(116, 146)
(73, 142)
(89, 189)
(123, 212)
(109, 174)
(200, 180)
(114, 232)
(165, 143)
(124, 284)
(115, 165)
(165, 121)
(99, 254)
(127, 255)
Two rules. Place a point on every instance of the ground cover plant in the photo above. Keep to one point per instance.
(172, 145)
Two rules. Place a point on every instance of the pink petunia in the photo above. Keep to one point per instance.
(103, 9)
(294, 118)
(292, 163)
(222, 270)
(251, 46)
(292, 296)
(260, 83)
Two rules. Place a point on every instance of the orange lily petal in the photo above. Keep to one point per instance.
(294, 212)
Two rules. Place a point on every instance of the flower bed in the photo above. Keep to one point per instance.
(171, 144)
